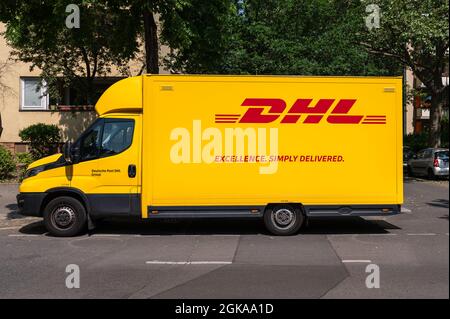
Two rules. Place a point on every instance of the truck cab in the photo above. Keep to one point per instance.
(97, 175)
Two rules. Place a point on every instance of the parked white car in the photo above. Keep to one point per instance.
(430, 162)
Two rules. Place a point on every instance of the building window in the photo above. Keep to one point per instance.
(76, 98)
(33, 94)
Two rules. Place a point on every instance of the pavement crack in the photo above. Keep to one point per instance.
(236, 249)
(342, 265)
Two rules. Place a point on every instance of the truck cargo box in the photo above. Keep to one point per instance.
(250, 141)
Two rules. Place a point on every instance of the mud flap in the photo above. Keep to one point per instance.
(90, 223)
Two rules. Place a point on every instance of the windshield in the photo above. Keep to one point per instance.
(90, 141)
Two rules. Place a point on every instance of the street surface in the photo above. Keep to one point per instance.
(234, 259)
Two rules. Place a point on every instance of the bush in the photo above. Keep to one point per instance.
(43, 139)
(416, 142)
(7, 165)
(419, 141)
(23, 160)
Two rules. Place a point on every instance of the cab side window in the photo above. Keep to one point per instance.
(117, 137)
(90, 143)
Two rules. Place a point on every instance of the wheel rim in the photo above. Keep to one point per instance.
(283, 218)
(63, 217)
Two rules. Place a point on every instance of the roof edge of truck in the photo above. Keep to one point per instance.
(123, 96)
(113, 100)
(291, 76)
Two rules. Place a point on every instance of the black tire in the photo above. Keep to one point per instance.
(275, 217)
(431, 174)
(65, 217)
(410, 171)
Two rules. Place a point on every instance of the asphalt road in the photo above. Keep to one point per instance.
(234, 259)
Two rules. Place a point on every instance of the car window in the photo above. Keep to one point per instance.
(117, 137)
(90, 142)
(428, 154)
(441, 155)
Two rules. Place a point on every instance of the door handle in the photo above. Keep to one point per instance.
(132, 171)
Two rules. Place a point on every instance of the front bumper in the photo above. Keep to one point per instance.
(30, 203)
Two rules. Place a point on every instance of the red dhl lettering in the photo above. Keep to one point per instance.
(263, 111)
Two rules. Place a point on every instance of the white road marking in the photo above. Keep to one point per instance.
(341, 235)
(405, 210)
(105, 235)
(360, 235)
(210, 262)
(421, 234)
(158, 262)
(367, 261)
(8, 228)
(226, 235)
(23, 235)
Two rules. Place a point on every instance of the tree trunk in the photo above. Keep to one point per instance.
(151, 42)
(90, 91)
(437, 103)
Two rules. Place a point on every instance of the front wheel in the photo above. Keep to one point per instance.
(65, 217)
(283, 220)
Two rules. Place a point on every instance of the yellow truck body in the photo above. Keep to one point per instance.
(234, 146)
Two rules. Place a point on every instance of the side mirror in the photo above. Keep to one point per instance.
(75, 153)
(66, 152)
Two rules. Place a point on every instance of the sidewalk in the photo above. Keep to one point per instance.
(9, 216)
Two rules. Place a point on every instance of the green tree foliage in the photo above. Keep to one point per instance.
(307, 37)
(445, 132)
(415, 33)
(420, 141)
(43, 139)
(37, 32)
(201, 35)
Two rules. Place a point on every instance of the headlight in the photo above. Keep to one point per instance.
(33, 171)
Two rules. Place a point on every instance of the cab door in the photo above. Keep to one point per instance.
(118, 168)
(82, 173)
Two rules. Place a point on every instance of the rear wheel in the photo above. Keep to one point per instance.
(283, 219)
(65, 217)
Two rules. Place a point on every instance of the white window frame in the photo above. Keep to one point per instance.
(43, 92)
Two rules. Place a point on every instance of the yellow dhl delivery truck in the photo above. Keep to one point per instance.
(278, 148)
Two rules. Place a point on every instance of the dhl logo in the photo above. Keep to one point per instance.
(270, 110)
